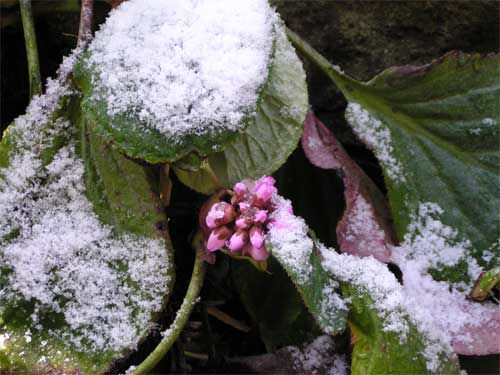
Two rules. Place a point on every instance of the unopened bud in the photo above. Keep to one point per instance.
(238, 240)
(218, 238)
(256, 236)
(220, 213)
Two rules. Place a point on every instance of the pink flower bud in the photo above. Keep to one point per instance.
(262, 193)
(259, 254)
(260, 216)
(218, 238)
(243, 222)
(244, 207)
(220, 213)
(237, 240)
(240, 189)
(267, 180)
(256, 236)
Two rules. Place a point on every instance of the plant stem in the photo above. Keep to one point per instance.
(332, 71)
(85, 28)
(31, 48)
(180, 320)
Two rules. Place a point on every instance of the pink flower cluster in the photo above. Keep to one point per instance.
(240, 225)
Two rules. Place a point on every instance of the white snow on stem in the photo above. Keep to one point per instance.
(377, 137)
(185, 66)
(289, 241)
(56, 254)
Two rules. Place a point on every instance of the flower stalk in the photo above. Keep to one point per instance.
(35, 79)
(181, 318)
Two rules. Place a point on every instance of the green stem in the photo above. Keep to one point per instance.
(31, 48)
(180, 320)
(341, 80)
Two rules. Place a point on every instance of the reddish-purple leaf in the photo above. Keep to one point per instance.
(365, 228)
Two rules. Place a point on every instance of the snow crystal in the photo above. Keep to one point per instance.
(184, 66)
(377, 137)
(317, 357)
(289, 241)
(61, 257)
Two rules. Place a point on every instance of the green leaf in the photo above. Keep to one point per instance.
(127, 133)
(434, 128)
(274, 132)
(290, 245)
(123, 197)
(377, 351)
(280, 324)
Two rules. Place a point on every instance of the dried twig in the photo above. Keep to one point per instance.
(229, 320)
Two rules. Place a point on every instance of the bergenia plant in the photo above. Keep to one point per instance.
(164, 129)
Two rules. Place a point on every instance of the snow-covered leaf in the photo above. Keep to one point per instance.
(84, 271)
(391, 328)
(290, 244)
(272, 134)
(161, 83)
(391, 333)
(435, 132)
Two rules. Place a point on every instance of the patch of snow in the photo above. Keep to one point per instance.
(377, 137)
(362, 228)
(488, 121)
(475, 131)
(429, 244)
(318, 358)
(396, 309)
(331, 303)
(61, 258)
(289, 241)
(184, 66)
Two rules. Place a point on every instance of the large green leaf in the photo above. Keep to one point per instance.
(434, 128)
(129, 260)
(391, 334)
(127, 133)
(377, 351)
(271, 136)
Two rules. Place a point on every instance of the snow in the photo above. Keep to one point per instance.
(184, 66)
(61, 257)
(396, 309)
(288, 240)
(430, 244)
(331, 304)
(318, 357)
(362, 231)
(488, 121)
(377, 137)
